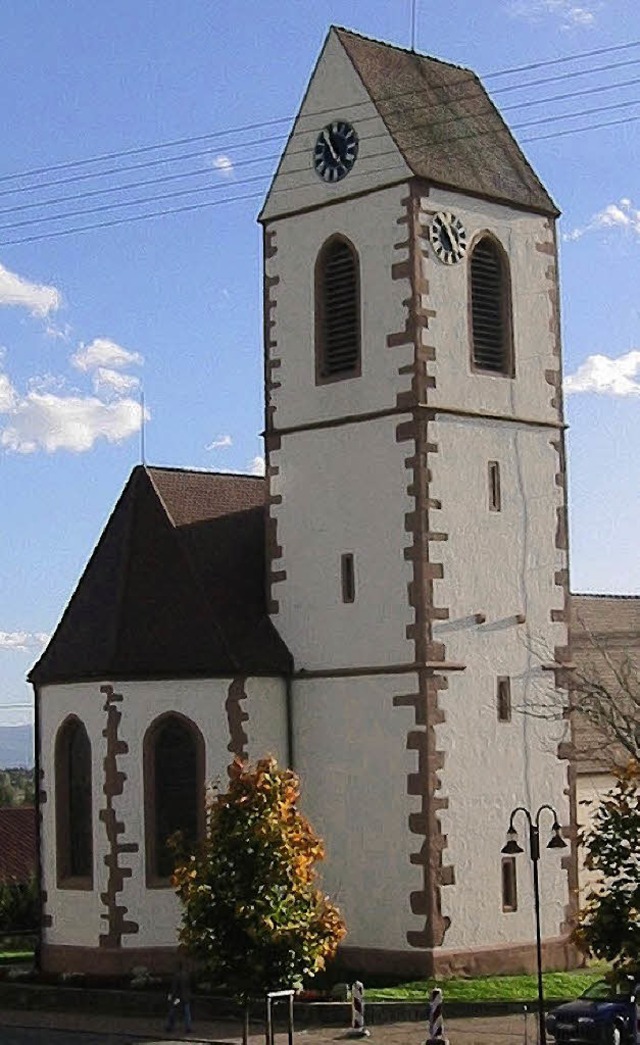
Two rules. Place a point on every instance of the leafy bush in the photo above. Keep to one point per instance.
(19, 906)
(609, 924)
(252, 914)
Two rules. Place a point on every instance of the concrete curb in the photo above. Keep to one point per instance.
(60, 998)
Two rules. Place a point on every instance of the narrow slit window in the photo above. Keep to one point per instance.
(347, 568)
(337, 312)
(504, 699)
(495, 498)
(509, 884)
(490, 308)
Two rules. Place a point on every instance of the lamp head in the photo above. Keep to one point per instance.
(512, 847)
(557, 841)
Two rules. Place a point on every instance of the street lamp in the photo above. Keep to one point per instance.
(510, 849)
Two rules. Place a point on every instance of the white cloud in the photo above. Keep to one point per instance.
(621, 215)
(113, 382)
(38, 299)
(223, 163)
(570, 14)
(102, 352)
(7, 394)
(221, 443)
(257, 466)
(44, 421)
(603, 375)
(23, 640)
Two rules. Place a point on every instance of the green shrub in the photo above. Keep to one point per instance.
(19, 906)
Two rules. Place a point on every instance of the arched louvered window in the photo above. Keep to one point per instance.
(337, 311)
(490, 308)
(174, 791)
(74, 822)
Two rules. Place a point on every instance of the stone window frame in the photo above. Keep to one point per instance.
(62, 776)
(347, 375)
(152, 879)
(508, 369)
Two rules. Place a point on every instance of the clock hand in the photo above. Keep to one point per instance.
(327, 140)
(450, 234)
(446, 237)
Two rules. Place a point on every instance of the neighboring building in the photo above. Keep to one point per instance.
(18, 846)
(605, 638)
(412, 532)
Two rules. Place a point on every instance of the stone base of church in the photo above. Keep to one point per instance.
(106, 961)
(557, 954)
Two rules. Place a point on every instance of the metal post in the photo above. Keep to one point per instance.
(534, 846)
(269, 1027)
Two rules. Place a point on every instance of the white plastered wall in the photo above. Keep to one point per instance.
(370, 223)
(528, 395)
(500, 565)
(77, 914)
(335, 92)
(344, 491)
(350, 750)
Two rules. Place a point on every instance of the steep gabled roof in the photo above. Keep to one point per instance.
(174, 588)
(444, 123)
(17, 843)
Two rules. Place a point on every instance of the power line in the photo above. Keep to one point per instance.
(143, 200)
(40, 204)
(194, 139)
(130, 219)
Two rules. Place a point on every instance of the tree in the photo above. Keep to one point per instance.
(602, 696)
(609, 924)
(253, 916)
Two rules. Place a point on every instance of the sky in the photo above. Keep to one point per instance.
(172, 304)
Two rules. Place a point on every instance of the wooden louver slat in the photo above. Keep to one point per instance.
(489, 304)
(340, 323)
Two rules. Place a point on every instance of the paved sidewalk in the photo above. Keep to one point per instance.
(497, 1030)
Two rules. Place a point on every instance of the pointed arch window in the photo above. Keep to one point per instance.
(338, 353)
(491, 338)
(174, 791)
(74, 821)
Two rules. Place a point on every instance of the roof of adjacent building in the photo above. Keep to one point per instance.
(599, 624)
(17, 843)
(175, 587)
(445, 124)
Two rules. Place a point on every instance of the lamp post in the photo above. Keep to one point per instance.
(511, 848)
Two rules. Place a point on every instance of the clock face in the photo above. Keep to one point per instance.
(336, 151)
(448, 237)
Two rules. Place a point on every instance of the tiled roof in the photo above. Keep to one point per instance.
(174, 588)
(444, 123)
(611, 622)
(17, 843)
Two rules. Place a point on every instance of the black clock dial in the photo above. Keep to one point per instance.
(448, 237)
(336, 151)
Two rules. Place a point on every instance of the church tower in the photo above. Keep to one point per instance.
(416, 529)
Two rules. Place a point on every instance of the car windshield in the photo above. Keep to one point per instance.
(601, 990)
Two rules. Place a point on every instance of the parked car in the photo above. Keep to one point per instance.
(603, 1015)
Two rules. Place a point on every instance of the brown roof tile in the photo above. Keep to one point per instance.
(17, 843)
(444, 123)
(174, 588)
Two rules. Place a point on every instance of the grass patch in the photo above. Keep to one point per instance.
(7, 957)
(557, 987)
